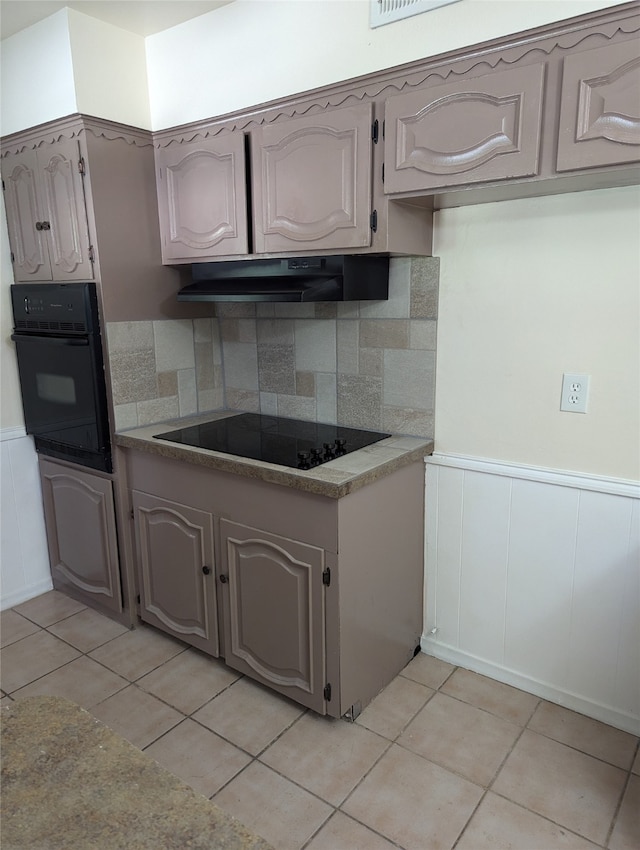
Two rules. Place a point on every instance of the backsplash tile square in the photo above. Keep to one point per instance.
(174, 345)
(359, 402)
(409, 378)
(315, 343)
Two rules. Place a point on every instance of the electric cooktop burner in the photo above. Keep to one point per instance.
(288, 442)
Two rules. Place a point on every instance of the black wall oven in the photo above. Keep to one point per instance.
(61, 368)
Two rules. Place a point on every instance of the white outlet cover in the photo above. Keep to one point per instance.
(575, 393)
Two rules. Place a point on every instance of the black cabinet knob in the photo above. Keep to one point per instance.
(38, 225)
(224, 579)
(46, 225)
(206, 570)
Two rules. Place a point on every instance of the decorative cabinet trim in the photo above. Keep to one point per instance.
(597, 28)
(73, 127)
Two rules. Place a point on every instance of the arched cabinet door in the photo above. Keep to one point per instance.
(600, 109)
(312, 181)
(81, 533)
(47, 213)
(467, 131)
(274, 622)
(177, 570)
(202, 197)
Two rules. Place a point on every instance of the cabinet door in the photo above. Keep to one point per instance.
(65, 211)
(176, 566)
(81, 533)
(312, 181)
(47, 214)
(469, 131)
(202, 198)
(28, 243)
(600, 109)
(274, 611)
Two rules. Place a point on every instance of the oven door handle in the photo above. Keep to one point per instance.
(52, 340)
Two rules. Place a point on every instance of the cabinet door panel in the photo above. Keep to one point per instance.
(486, 128)
(274, 607)
(600, 111)
(177, 575)
(65, 210)
(202, 198)
(81, 532)
(30, 256)
(312, 181)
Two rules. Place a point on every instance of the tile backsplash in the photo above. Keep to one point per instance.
(360, 364)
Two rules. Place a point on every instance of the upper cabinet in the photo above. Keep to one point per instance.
(286, 185)
(46, 213)
(600, 110)
(202, 197)
(467, 131)
(312, 181)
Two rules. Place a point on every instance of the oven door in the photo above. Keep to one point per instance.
(64, 397)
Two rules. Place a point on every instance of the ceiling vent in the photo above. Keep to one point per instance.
(386, 11)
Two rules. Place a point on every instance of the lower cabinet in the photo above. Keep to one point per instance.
(81, 534)
(177, 570)
(317, 598)
(274, 610)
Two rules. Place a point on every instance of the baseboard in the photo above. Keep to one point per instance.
(25, 593)
(597, 711)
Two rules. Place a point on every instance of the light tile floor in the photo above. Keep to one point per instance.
(443, 758)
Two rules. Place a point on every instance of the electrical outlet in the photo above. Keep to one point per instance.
(575, 391)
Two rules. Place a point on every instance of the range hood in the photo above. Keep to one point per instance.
(354, 277)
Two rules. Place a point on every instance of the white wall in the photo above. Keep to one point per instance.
(10, 405)
(530, 289)
(37, 83)
(109, 68)
(252, 51)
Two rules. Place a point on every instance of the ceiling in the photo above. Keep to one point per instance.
(144, 17)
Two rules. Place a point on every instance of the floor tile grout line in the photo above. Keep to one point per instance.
(546, 818)
(582, 752)
(489, 787)
(618, 808)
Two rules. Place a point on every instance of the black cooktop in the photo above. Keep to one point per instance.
(288, 442)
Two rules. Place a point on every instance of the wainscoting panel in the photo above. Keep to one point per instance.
(24, 560)
(533, 577)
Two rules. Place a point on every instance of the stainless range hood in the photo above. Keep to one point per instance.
(354, 277)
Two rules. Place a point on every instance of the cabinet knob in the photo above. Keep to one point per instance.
(46, 225)
(224, 579)
(38, 225)
(206, 570)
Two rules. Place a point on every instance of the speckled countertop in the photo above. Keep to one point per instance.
(334, 479)
(69, 782)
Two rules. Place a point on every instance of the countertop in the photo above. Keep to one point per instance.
(69, 782)
(334, 479)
